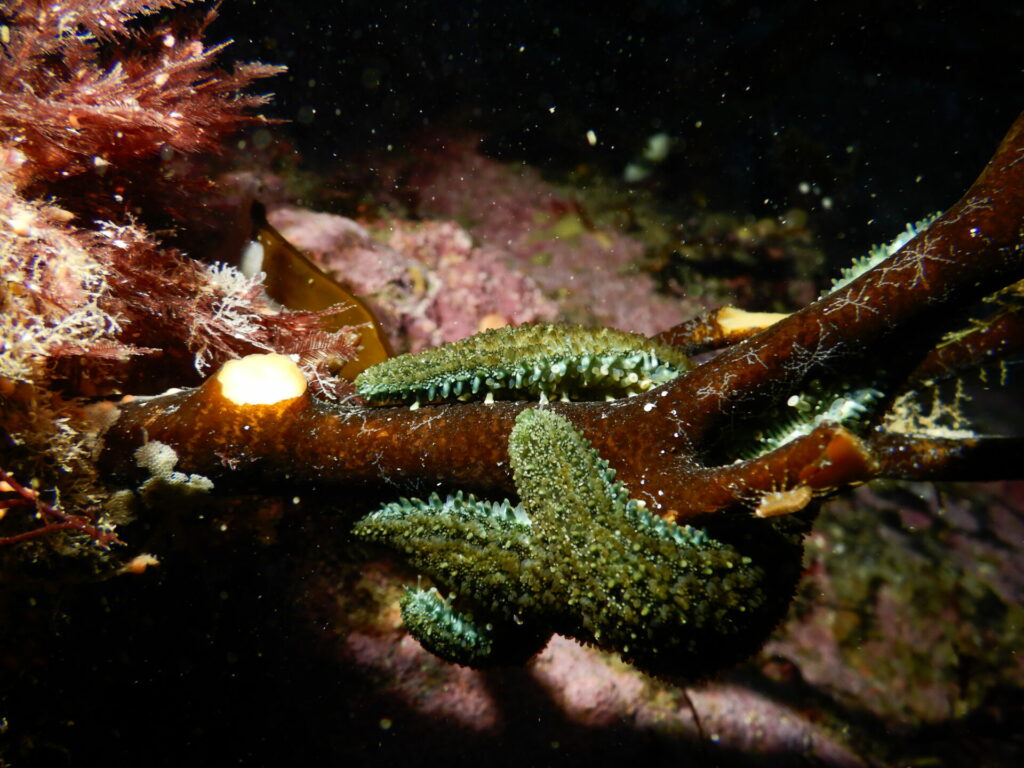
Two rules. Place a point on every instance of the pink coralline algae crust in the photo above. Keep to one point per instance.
(911, 608)
(354, 614)
(751, 723)
(427, 281)
(462, 698)
(597, 690)
(591, 270)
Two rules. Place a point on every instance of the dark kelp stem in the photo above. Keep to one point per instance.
(652, 440)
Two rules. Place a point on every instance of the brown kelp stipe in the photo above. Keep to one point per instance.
(891, 319)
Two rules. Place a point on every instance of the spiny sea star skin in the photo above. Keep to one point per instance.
(454, 637)
(849, 406)
(582, 559)
(530, 361)
(459, 531)
(879, 253)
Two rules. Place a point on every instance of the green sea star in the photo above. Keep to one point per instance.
(524, 362)
(580, 558)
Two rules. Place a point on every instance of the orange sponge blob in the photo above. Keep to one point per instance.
(261, 380)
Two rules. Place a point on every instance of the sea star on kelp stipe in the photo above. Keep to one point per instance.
(791, 410)
(580, 558)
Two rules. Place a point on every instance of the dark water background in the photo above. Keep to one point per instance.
(888, 109)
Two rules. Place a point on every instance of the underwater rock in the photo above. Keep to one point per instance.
(426, 281)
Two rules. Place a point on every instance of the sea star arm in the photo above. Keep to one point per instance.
(469, 544)
(582, 559)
